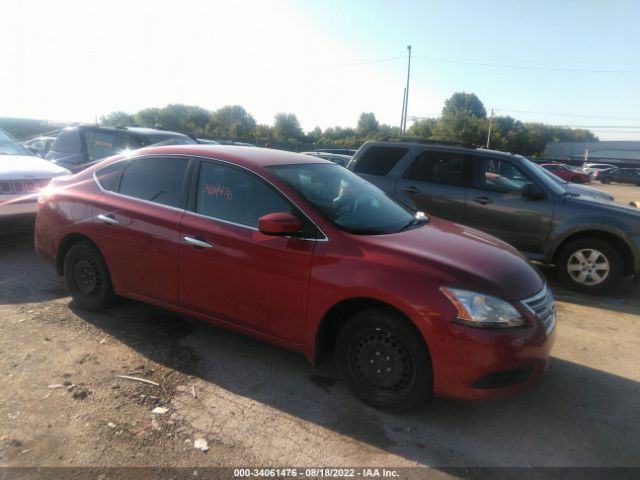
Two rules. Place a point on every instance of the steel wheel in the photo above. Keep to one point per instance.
(384, 360)
(87, 277)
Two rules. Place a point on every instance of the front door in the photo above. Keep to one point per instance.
(496, 205)
(231, 271)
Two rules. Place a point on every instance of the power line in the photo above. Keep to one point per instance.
(523, 67)
(567, 114)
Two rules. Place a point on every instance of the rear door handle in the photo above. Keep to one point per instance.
(482, 200)
(196, 242)
(411, 190)
(108, 219)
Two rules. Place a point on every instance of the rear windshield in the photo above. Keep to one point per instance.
(379, 160)
(68, 141)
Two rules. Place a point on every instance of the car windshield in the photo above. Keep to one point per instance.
(8, 146)
(347, 200)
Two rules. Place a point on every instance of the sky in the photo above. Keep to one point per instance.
(569, 62)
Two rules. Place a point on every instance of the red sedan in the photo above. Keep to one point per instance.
(566, 173)
(305, 254)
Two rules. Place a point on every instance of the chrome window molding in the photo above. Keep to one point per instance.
(131, 158)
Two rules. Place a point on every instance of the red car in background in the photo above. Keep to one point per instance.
(566, 173)
(305, 254)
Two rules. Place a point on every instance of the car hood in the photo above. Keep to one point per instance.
(13, 167)
(462, 257)
(607, 208)
(585, 191)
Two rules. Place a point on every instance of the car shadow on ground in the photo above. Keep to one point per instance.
(577, 416)
(25, 278)
(624, 298)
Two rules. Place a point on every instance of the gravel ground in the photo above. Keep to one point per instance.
(254, 404)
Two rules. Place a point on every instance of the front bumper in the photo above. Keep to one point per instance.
(474, 363)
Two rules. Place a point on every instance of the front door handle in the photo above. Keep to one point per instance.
(196, 242)
(108, 219)
(482, 200)
(411, 190)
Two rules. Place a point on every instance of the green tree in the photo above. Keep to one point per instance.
(367, 125)
(177, 117)
(468, 103)
(287, 127)
(231, 121)
(117, 118)
(422, 128)
(462, 128)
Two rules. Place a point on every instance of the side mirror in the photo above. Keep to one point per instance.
(532, 191)
(279, 224)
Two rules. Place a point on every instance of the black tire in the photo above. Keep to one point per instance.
(569, 266)
(384, 361)
(87, 277)
(577, 180)
(605, 180)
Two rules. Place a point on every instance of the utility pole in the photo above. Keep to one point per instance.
(490, 125)
(406, 95)
(404, 99)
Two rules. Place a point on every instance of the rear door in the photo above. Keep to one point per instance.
(434, 182)
(138, 224)
(231, 271)
(495, 205)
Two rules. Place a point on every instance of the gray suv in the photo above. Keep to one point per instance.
(591, 243)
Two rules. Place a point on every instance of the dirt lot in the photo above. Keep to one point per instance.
(623, 193)
(257, 405)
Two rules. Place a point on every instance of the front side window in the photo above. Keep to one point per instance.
(235, 195)
(437, 167)
(498, 175)
(347, 200)
(156, 179)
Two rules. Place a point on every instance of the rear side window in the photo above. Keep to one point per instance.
(437, 167)
(379, 160)
(68, 141)
(159, 180)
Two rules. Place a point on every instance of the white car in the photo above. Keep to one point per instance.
(594, 169)
(22, 176)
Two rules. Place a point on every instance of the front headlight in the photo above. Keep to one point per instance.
(480, 310)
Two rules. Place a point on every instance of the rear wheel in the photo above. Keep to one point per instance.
(605, 180)
(589, 265)
(576, 180)
(87, 277)
(384, 361)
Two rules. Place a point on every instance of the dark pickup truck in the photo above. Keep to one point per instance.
(593, 244)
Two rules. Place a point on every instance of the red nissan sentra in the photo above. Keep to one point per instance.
(305, 254)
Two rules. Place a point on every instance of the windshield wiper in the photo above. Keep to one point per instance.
(418, 220)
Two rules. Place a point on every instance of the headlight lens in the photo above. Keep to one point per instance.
(480, 310)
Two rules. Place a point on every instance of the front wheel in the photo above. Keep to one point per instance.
(577, 180)
(87, 277)
(589, 265)
(385, 361)
(605, 180)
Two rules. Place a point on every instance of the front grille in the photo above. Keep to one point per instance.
(22, 187)
(543, 306)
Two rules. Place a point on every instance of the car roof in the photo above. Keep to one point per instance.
(438, 146)
(246, 156)
(137, 130)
